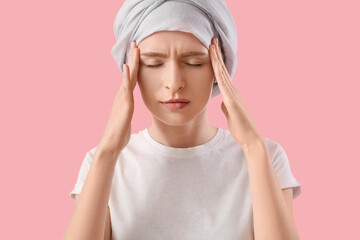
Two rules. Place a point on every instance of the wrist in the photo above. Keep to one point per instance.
(103, 151)
(256, 145)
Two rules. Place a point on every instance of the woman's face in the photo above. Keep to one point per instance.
(172, 73)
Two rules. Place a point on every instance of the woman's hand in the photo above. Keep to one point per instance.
(118, 129)
(241, 125)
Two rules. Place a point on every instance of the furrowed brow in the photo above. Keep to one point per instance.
(187, 54)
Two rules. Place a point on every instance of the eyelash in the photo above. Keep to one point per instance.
(154, 66)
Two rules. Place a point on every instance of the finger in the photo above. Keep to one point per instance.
(218, 48)
(218, 56)
(126, 76)
(224, 109)
(222, 67)
(215, 54)
(134, 62)
(130, 56)
(212, 55)
(215, 44)
(214, 61)
(217, 68)
(126, 67)
(221, 73)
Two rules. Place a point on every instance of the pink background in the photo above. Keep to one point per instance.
(298, 72)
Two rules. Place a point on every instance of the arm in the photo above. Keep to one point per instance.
(272, 213)
(89, 217)
(108, 230)
(271, 206)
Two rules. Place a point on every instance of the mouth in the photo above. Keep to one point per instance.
(174, 106)
(178, 100)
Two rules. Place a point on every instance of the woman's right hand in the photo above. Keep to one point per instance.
(118, 129)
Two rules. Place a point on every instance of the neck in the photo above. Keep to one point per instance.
(190, 134)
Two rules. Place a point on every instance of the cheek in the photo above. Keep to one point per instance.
(145, 79)
(148, 88)
(201, 90)
(202, 79)
(203, 76)
(209, 72)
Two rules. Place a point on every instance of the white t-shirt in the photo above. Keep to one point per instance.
(202, 192)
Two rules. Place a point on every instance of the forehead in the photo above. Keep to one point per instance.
(171, 39)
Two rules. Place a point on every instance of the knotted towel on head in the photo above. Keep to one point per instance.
(205, 19)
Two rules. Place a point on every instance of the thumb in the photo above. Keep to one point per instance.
(223, 108)
(126, 76)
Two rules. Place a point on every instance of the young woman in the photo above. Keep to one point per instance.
(181, 178)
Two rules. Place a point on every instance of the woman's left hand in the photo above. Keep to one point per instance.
(241, 125)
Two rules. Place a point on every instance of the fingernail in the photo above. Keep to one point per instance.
(216, 41)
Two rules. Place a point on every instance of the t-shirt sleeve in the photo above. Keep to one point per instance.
(84, 169)
(283, 171)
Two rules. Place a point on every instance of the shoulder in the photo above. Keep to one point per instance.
(274, 148)
(273, 145)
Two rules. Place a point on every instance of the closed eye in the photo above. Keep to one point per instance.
(154, 66)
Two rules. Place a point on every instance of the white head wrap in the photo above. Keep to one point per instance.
(205, 19)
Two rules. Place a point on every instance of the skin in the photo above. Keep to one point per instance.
(272, 206)
(176, 78)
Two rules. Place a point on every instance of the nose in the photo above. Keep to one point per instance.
(174, 78)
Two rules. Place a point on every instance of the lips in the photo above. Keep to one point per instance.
(177, 101)
(173, 106)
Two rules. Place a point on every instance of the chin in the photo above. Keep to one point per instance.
(173, 119)
(177, 118)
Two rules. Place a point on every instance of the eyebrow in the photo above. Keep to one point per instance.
(187, 54)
